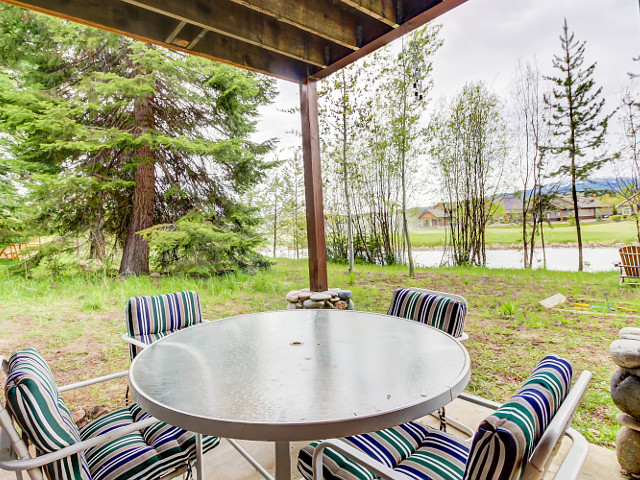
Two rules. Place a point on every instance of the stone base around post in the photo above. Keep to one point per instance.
(332, 298)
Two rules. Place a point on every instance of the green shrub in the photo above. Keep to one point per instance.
(616, 218)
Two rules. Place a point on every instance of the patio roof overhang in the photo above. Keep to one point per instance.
(297, 40)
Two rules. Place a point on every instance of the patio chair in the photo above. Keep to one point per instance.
(444, 311)
(151, 318)
(125, 444)
(518, 441)
(630, 263)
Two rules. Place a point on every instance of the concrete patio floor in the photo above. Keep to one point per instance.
(225, 463)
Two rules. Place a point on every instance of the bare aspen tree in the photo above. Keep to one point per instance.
(530, 131)
(468, 147)
(628, 165)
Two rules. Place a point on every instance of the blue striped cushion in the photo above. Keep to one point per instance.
(174, 445)
(505, 440)
(33, 399)
(151, 318)
(125, 458)
(443, 313)
(421, 452)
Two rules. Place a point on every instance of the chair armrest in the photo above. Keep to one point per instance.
(352, 453)
(133, 341)
(572, 464)
(93, 381)
(483, 402)
(30, 463)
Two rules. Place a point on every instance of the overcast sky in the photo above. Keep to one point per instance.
(484, 39)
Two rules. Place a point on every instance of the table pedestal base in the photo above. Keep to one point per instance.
(283, 461)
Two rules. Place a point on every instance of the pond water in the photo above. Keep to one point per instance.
(558, 258)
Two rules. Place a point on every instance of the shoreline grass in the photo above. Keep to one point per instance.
(560, 233)
(76, 322)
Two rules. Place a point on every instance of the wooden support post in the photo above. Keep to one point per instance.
(313, 186)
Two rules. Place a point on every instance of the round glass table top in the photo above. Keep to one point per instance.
(299, 375)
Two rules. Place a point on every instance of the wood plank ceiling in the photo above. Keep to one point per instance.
(290, 39)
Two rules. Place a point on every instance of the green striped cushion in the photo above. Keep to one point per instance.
(151, 318)
(125, 458)
(444, 313)
(420, 452)
(174, 445)
(505, 440)
(35, 403)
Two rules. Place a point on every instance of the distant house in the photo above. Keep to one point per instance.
(630, 205)
(512, 209)
(434, 217)
(589, 208)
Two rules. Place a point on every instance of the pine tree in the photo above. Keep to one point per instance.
(131, 135)
(577, 122)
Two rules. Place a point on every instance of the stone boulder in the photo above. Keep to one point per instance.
(628, 450)
(625, 391)
(626, 353)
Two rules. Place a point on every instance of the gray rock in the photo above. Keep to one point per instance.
(625, 353)
(312, 304)
(628, 421)
(630, 331)
(625, 391)
(304, 295)
(334, 290)
(292, 296)
(328, 305)
(320, 296)
(628, 450)
(292, 306)
(350, 305)
(630, 336)
(345, 294)
(633, 371)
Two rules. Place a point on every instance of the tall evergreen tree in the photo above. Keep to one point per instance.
(577, 122)
(132, 135)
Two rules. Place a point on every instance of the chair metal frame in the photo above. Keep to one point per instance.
(537, 464)
(14, 452)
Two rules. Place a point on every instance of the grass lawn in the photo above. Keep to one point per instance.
(76, 322)
(624, 232)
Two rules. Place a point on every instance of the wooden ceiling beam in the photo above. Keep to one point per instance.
(383, 10)
(434, 9)
(323, 18)
(151, 27)
(235, 21)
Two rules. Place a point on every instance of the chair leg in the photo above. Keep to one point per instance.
(199, 466)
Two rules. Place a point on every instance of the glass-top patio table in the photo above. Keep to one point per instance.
(298, 375)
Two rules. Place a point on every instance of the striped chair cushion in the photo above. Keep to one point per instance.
(33, 399)
(505, 440)
(173, 444)
(151, 318)
(146, 454)
(128, 457)
(443, 313)
(417, 451)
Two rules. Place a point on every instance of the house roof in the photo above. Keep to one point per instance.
(294, 40)
(565, 202)
(626, 201)
(512, 203)
(436, 212)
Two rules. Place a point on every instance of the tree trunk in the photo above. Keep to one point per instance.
(97, 241)
(275, 218)
(135, 257)
(345, 172)
(576, 211)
